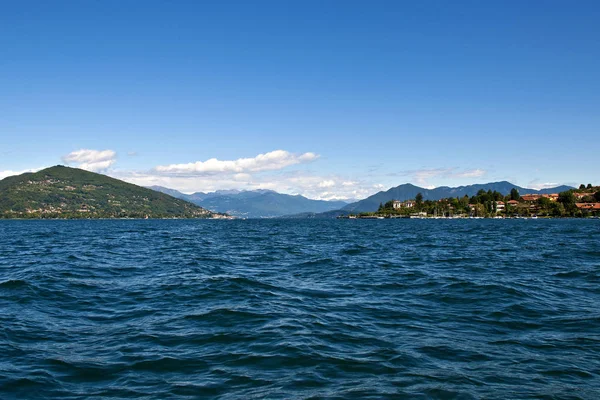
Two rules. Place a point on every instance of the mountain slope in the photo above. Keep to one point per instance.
(269, 204)
(255, 203)
(409, 191)
(63, 192)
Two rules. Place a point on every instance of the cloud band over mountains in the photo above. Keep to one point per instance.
(267, 170)
(271, 161)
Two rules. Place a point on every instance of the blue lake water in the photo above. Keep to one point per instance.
(457, 309)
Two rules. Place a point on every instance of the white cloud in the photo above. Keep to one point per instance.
(332, 187)
(327, 184)
(422, 176)
(242, 177)
(271, 161)
(537, 185)
(7, 173)
(476, 173)
(91, 160)
(322, 187)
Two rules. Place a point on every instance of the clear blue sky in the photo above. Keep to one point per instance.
(381, 93)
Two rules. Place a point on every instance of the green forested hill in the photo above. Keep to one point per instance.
(63, 192)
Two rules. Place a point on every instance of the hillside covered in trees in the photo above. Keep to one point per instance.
(63, 192)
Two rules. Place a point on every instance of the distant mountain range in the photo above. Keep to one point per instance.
(63, 192)
(409, 191)
(254, 203)
(269, 204)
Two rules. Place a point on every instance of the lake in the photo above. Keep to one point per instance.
(298, 309)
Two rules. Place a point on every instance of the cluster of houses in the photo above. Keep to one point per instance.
(530, 200)
(397, 204)
(533, 198)
(586, 206)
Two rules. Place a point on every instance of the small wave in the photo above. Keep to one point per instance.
(569, 274)
(222, 314)
(568, 372)
(13, 284)
(444, 352)
(22, 384)
(169, 364)
(240, 282)
(351, 251)
(317, 262)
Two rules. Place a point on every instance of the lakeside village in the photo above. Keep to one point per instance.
(579, 203)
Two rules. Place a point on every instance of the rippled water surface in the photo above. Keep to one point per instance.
(300, 309)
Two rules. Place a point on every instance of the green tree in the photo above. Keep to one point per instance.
(488, 206)
(514, 194)
(597, 195)
(581, 187)
(479, 210)
(419, 200)
(557, 209)
(544, 204)
(589, 186)
(588, 199)
(567, 199)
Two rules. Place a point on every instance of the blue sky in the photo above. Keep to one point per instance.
(328, 99)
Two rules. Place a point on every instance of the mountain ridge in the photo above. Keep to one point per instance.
(261, 203)
(408, 191)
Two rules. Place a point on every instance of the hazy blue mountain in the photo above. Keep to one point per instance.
(323, 215)
(170, 192)
(409, 191)
(255, 203)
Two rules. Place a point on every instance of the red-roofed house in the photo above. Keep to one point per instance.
(499, 206)
(588, 206)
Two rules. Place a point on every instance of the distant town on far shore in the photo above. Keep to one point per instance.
(581, 202)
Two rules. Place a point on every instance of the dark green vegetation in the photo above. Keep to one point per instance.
(408, 191)
(63, 192)
(255, 203)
